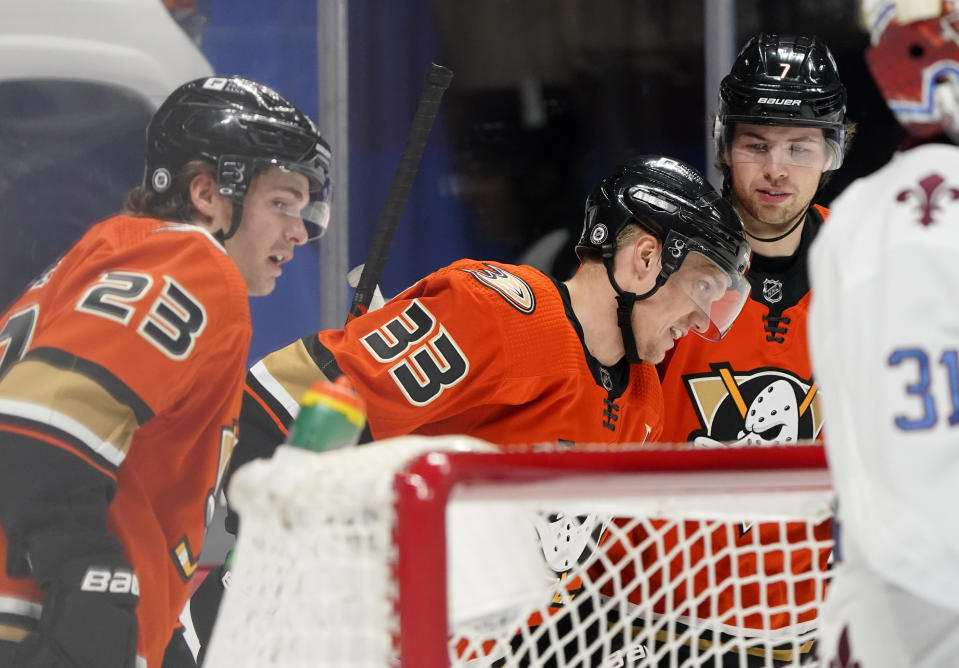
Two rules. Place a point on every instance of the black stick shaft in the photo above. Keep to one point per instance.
(437, 81)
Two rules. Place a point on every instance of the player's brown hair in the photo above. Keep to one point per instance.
(173, 204)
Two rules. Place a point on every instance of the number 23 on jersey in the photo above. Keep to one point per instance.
(173, 320)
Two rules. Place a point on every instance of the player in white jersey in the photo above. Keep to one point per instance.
(884, 338)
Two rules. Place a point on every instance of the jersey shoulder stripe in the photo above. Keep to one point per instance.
(322, 357)
(64, 399)
(278, 381)
(258, 400)
(59, 431)
(101, 375)
(271, 392)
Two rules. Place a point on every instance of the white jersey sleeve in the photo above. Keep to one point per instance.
(884, 339)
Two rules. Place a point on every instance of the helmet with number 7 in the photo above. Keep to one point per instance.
(242, 127)
(673, 202)
(784, 80)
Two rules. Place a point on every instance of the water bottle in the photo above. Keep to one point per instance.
(332, 415)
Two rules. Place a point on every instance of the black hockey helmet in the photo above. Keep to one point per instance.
(242, 127)
(671, 200)
(784, 80)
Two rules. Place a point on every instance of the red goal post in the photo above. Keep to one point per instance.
(420, 552)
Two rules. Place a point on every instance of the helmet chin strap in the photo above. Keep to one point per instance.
(785, 234)
(235, 218)
(624, 310)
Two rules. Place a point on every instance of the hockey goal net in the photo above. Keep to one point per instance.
(423, 553)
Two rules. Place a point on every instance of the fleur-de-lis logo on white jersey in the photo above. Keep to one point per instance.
(929, 196)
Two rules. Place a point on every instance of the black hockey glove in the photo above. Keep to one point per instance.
(88, 621)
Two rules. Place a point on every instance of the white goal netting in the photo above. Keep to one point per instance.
(434, 552)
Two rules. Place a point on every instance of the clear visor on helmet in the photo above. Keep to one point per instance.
(803, 147)
(316, 218)
(311, 205)
(315, 214)
(719, 292)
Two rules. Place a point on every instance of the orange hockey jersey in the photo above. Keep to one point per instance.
(754, 387)
(479, 348)
(121, 370)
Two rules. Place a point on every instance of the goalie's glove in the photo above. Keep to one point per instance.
(88, 620)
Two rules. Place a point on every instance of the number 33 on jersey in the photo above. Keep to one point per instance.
(484, 349)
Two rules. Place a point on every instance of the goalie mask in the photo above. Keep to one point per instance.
(673, 202)
(244, 128)
(785, 80)
(914, 60)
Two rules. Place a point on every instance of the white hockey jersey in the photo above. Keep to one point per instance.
(884, 339)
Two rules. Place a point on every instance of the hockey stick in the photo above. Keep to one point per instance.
(437, 81)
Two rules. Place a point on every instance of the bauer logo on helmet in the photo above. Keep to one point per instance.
(785, 102)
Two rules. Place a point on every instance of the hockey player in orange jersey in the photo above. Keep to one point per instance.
(779, 132)
(507, 354)
(121, 374)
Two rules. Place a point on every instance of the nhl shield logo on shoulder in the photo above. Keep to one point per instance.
(772, 290)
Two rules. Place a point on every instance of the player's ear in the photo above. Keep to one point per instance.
(645, 256)
(203, 196)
